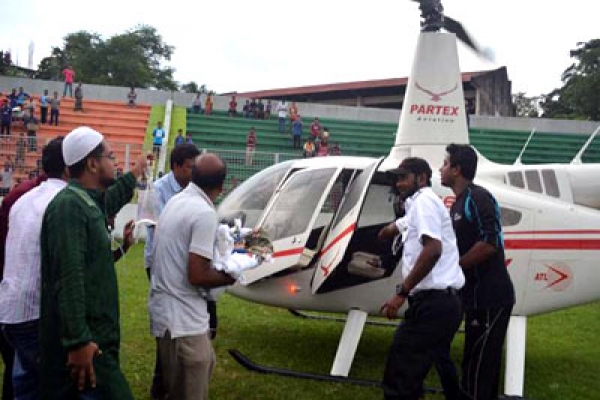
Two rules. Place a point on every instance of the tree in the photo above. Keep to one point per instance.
(580, 95)
(5, 62)
(133, 58)
(526, 107)
(190, 87)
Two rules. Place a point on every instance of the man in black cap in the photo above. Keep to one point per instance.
(432, 277)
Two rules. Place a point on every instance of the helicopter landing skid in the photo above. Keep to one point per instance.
(263, 369)
(306, 315)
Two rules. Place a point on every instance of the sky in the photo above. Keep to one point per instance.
(240, 45)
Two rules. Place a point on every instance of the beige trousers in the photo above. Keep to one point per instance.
(187, 364)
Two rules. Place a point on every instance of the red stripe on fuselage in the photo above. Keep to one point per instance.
(339, 237)
(288, 252)
(552, 244)
(564, 232)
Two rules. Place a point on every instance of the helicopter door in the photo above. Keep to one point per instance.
(343, 226)
(289, 218)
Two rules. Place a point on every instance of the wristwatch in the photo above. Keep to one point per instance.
(401, 291)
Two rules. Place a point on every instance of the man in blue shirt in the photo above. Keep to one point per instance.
(179, 139)
(182, 161)
(22, 97)
(158, 134)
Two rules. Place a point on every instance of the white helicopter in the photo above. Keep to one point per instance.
(323, 216)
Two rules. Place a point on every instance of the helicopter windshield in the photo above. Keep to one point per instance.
(250, 198)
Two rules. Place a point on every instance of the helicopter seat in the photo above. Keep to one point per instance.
(367, 265)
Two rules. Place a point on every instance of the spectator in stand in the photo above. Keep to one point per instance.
(315, 130)
(54, 109)
(251, 141)
(21, 147)
(254, 109)
(261, 109)
(282, 115)
(188, 138)
(232, 107)
(208, 107)
(44, 103)
(69, 75)
(22, 98)
(7, 177)
(246, 109)
(131, 97)
(179, 139)
(78, 98)
(31, 126)
(13, 98)
(297, 132)
(324, 135)
(197, 103)
(268, 110)
(158, 135)
(335, 150)
(6, 118)
(20, 287)
(293, 113)
(29, 108)
(323, 147)
(309, 149)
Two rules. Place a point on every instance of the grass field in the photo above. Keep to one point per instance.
(563, 349)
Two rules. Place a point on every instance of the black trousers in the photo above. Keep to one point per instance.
(44, 114)
(485, 331)
(429, 325)
(8, 355)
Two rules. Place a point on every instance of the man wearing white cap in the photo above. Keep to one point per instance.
(80, 332)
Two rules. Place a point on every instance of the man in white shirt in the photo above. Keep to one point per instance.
(20, 287)
(184, 244)
(282, 110)
(432, 277)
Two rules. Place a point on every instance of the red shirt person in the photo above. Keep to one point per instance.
(69, 74)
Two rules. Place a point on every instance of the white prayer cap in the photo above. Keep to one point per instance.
(79, 143)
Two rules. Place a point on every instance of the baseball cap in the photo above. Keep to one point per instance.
(409, 165)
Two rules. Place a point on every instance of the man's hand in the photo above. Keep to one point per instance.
(81, 362)
(392, 306)
(128, 235)
(140, 166)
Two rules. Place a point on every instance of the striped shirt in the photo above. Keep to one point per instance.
(20, 288)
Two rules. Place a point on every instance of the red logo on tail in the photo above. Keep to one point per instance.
(435, 96)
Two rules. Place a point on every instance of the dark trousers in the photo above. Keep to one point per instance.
(44, 114)
(8, 356)
(54, 117)
(5, 129)
(24, 337)
(429, 325)
(297, 141)
(485, 331)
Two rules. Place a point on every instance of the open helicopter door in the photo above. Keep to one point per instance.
(343, 226)
(290, 216)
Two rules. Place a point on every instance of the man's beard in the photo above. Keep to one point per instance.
(106, 182)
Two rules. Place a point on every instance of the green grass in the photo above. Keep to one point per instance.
(562, 349)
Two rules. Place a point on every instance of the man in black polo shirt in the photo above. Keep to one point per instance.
(488, 295)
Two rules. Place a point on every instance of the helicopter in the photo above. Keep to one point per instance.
(323, 215)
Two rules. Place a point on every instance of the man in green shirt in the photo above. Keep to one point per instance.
(79, 327)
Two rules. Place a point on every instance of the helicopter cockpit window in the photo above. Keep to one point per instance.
(252, 196)
(533, 181)
(550, 183)
(516, 179)
(509, 217)
(296, 204)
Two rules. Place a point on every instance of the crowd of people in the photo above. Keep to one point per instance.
(63, 344)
